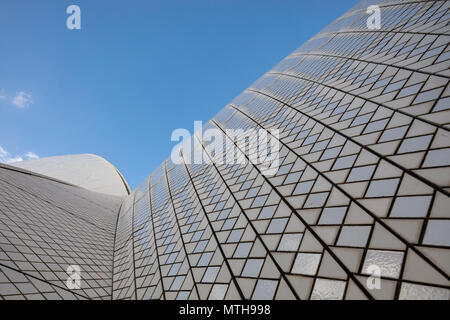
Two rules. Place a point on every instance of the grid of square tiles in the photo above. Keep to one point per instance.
(211, 272)
(363, 179)
(307, 261)
(363, 176)
(15, 285)
(42, 232)
(325, 205)
(147, 268)
(258, 274)
(177, 275)
(123, 265)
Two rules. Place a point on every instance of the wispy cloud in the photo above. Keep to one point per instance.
(6, 157)
(31, 155)
(22, 100)
(2, 94)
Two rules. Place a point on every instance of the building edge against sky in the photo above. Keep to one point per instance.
(85, 170)
(362, 185)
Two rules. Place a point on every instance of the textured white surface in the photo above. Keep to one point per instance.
(85, 170)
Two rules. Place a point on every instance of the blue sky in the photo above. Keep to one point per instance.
(136, 71)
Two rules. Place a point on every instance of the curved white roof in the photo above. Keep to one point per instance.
(88, 171)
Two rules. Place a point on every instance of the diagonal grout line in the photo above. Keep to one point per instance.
(154, 238)
(378, 31)
(114, 250)
(219, 245)
(376, 218)
(392, 162)
(123, 247)
(179, 228)
(132, 245)
(280, 270)
(56, 206)
(382, 6)
(323, 54)
(41, 177)
(44, 280)
(60, 241)
(323, 244)
(354, 95)
(333, 34)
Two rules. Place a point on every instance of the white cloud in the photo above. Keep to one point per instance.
(2, 94)
(31, 155)
(6, 157)
(22, 100)
(2, 152)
